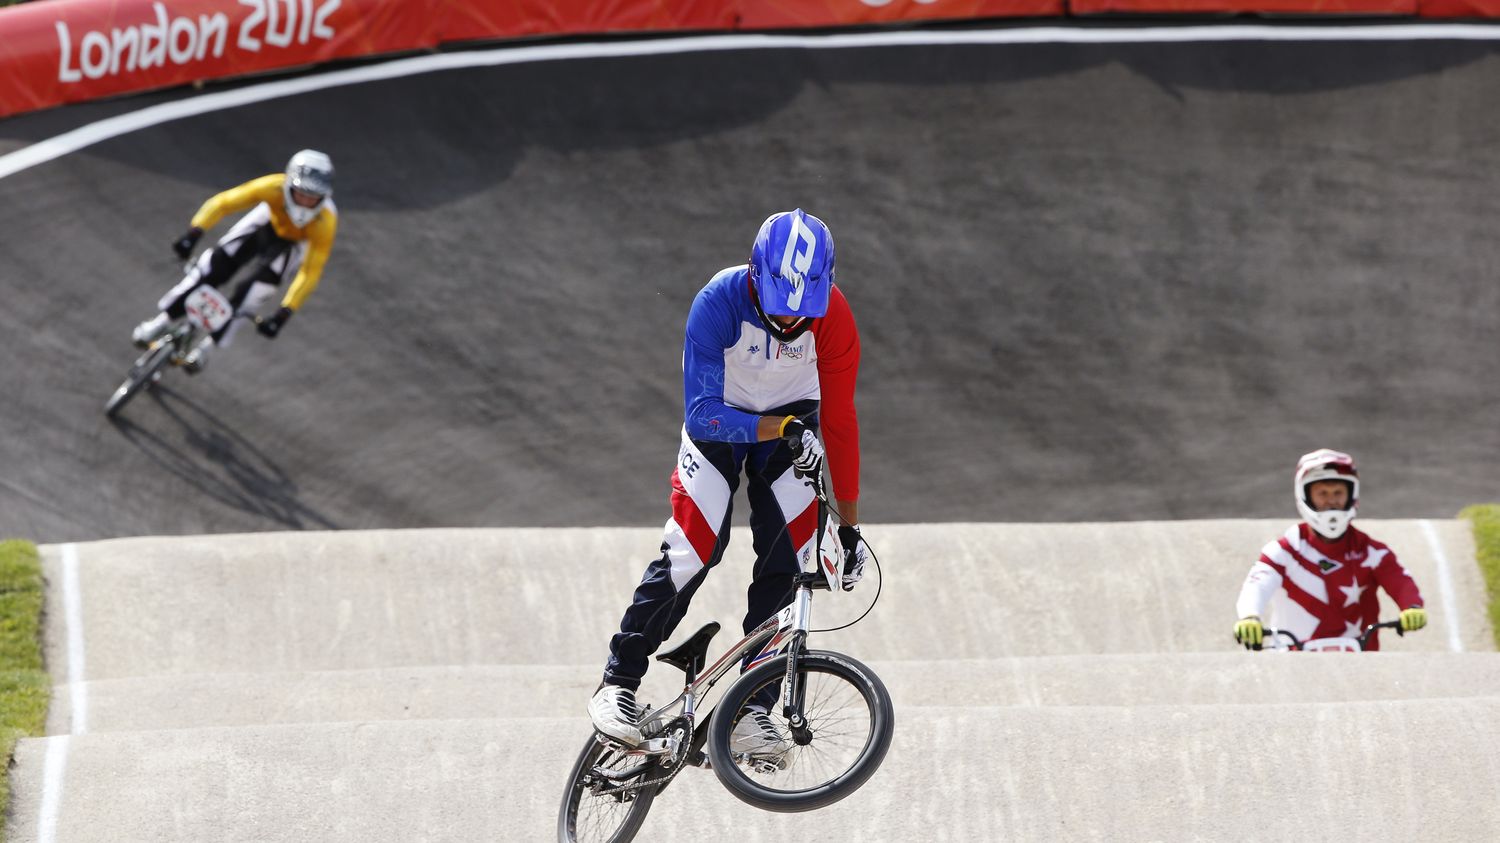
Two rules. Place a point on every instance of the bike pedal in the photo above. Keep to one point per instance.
(766, 766)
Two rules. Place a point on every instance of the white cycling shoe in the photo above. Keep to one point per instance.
(614, 711)
(196, 360)
(756, 737)
(147, 332)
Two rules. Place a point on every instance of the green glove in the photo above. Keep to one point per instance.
(1248, 631)
(1413, 619)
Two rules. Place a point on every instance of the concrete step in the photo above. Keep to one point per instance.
(1412, 769)
(286, 602)
(540, 691)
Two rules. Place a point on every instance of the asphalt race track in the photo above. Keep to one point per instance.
(1093, 283)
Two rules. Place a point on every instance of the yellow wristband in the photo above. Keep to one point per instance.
(781, 431)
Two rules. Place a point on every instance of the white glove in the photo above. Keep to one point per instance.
(855, 555)
(807, 451)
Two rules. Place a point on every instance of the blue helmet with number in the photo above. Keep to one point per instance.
(791, 271)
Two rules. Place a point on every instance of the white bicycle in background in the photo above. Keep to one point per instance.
(207, 311)
(832, 715)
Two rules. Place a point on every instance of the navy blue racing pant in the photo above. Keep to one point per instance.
(783, 521)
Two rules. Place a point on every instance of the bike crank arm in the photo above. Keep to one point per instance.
(618, 776)
(652, 748)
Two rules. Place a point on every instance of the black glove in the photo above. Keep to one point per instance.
(855, 555)
(271, 325)
(807, 452)
(184, 244)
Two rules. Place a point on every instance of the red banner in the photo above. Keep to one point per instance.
(1459, 8)
(73, 50)
(467, 20)
(1293, 7)
(775, 14)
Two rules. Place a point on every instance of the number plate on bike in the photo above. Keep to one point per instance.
(1331, 645)
(207, 308)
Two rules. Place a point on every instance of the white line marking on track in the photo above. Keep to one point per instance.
(84, 136)
(1445, 587)
(55, 766)
(78, 691)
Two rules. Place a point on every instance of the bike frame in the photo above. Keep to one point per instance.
(186, 333)
(207, 310)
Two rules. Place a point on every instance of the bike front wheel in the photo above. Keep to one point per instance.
(850, 721)
(145, 369)
(599, 809)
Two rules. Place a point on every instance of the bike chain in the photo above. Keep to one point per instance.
(678, 766)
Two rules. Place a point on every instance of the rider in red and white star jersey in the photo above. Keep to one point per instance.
(1320, 577)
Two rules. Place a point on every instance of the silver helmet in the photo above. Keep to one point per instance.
(308, 185)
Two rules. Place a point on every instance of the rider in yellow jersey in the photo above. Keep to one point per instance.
(289, 232)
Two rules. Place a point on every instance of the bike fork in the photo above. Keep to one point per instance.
(793, 690)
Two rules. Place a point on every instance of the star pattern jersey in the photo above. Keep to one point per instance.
(1316, 588)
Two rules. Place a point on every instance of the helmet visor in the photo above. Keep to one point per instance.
(306, 198)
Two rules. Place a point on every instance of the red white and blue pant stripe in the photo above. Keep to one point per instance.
(783, 521)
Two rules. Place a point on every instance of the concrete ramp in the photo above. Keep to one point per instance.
(1372, 770)
(271, 602)
(1051, 682)
(202, 700)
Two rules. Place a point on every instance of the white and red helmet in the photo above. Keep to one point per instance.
(1326, 464)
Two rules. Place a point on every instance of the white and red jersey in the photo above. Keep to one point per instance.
(1317, 588)
(734, 371)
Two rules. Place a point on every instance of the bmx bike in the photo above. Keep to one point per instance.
(833, 715)
(207, 311)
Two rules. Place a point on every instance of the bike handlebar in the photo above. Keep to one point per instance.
(815, 579)
(1363, 636)
(814, 480)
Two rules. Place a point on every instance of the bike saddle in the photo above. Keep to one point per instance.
(690, 654)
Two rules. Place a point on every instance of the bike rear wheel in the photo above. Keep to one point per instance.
(596, 810)
(848, 712)
(146, 367)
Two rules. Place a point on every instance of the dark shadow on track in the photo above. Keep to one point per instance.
(1337, 66)
(540, 104)
(209, 458)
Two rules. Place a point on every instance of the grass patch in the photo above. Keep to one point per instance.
(1486, 520)
(25, 688)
